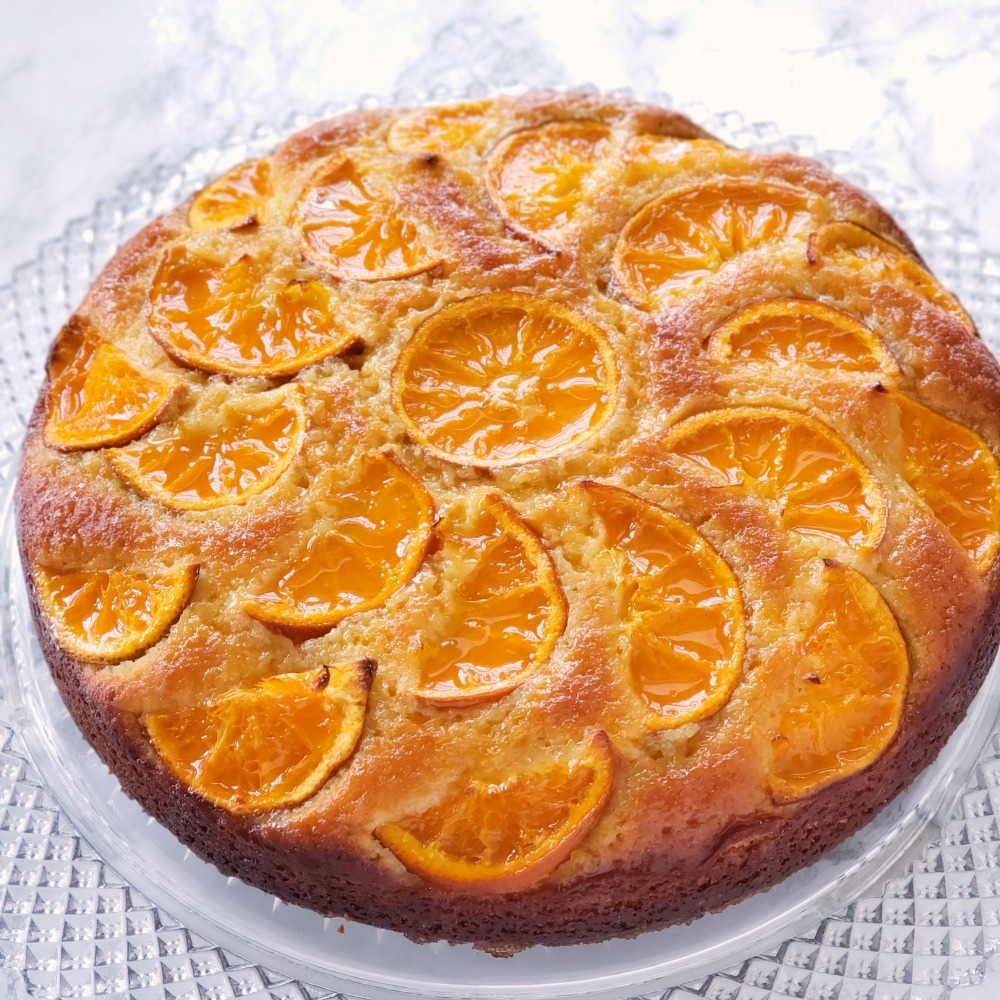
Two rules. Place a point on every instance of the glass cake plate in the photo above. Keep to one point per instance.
(98, 899)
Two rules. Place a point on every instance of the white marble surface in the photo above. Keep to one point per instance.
(90, 91)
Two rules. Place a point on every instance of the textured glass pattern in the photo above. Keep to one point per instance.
(70, 927)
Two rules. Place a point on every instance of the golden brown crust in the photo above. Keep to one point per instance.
(690, 826)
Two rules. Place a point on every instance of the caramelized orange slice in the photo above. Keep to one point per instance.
(268, 745)
(537, 177)
(956, 475)
(508, 833)
(219, 460)
(353, 229)
(688, 234)
(223, 318)
(685, 614)
(841, 689)
(650, 151)
(106, 616)
(237, 198)
(96, 396)
(503, 379)
(380, 534)
(440, 131)
(507, 614)
(859, 248)
(822, 487)
(800, 332)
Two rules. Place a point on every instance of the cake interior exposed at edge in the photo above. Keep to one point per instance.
(527, 520)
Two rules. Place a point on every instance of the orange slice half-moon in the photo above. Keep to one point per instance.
(507, 834)
(222, 318)
(269, 745)
(97, 397)
(688, 234)
(503, 379)
(880, 260)
(537, 178)
(647, 155)
(820, 485)
(507, 614)
(440, 131)
(957, 476)
(202, 464)
(378, 539)
(840, 691)
(685, 621)
(106, 616)
(352, 228)
(237, 198)
(800, 332)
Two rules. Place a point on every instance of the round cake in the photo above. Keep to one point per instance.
(528, 520)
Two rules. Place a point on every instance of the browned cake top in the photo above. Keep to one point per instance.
(656, 477)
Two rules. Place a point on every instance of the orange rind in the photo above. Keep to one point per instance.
(955, 473)
(503, 379)
(840, 691)
(238, 198)
(267, 745)
(440, 131)
(537, 178)
(106, 616)
(204, 464)
(97, 398)
(506, 833)
(847, 243)
(684, 619)
(509, 611)
(379, 536)
(786, 332)
(684, 236)
(222, 318)
(820, 486)
(354, 229)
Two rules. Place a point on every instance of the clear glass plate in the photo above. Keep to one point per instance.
(306, 948)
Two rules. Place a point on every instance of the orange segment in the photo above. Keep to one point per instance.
(237, 198)
(841, 689)
(225, 458)
(646, 152)
(106, 616)
(380, 535)
(537, 177)
(507, 832)
(956, 475)
(847, 243)
(353, 229)
(223, 318)
(440, 131)
(503, 379)
(821, 486)
(686, 235)
(508, 613)
(268, 745)
(800, 332)
(97, 397)
(685, 614)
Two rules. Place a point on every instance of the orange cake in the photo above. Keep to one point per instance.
(527, 520)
